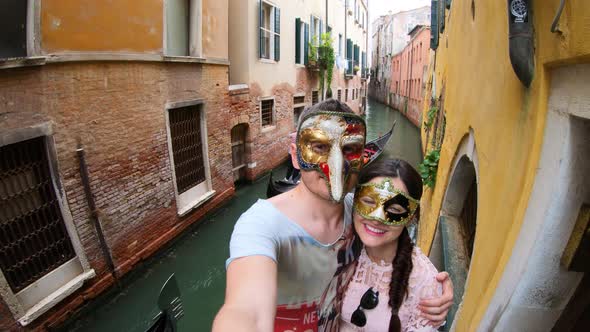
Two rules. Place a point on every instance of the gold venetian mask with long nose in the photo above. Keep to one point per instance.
(384, 203)
(332, 143)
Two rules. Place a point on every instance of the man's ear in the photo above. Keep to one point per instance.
(293, 153)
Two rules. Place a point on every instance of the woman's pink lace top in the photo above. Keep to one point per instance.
(422, 284)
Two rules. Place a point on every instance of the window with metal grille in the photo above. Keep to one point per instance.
(346, 95)
(314, 97)
(187, 147)
(296, 113)
(33, 236)
(266, 110)
(298, 100)
(339, 94)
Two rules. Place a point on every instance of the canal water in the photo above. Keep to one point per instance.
(198, 257)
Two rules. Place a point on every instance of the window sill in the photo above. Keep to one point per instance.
(269, 61)
(299, 65)
(22, 62)
(266, 129)
(100, 56)
(196, 203)
(55, 297)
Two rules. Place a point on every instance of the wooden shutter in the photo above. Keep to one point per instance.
(348, 48)
(306, 46)
(278, 32)
(363, 61)
(260, 25)
(298, 40)
(434, 24)
(321, 31)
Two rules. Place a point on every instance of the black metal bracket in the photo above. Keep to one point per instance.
(520, 36)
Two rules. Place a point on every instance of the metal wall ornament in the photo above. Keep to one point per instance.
(520, 39)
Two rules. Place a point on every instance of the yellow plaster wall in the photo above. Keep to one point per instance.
(101, 26)
(215, 29)
(483, 93)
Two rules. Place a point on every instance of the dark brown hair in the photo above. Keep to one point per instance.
(328, 105)
(402, 262)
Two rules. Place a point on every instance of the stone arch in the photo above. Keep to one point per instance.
(453, 244)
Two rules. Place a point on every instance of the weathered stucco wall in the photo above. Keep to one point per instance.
(482, 94)
(215, 29)
(101, 26)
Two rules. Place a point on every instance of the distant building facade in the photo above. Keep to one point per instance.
(391, 34)
(114, 138)
(409, 70)
(273, 74)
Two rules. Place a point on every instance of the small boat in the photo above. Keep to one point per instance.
(373, 150)
(170, 306)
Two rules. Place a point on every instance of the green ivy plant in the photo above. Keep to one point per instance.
(326, 60)
(430, 116)
(428, 167)
(312, 52)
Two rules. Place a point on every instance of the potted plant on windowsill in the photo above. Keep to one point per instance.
(355, 69)
(312, 60)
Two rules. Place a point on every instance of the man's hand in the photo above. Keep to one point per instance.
(436, 309)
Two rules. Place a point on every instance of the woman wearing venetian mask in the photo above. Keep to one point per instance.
(391, 274)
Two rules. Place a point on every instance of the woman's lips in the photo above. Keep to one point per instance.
(373, 230)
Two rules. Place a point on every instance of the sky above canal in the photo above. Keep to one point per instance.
(382, 7)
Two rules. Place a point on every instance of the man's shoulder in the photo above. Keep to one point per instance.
(263, 217)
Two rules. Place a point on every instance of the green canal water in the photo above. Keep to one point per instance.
(198, 257)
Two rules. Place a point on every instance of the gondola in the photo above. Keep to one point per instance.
(373, 150)
(170, 306)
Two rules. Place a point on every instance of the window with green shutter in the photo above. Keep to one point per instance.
(349, 56)
(298, 42)
(269, 32)
(305, 42)
(434, 24)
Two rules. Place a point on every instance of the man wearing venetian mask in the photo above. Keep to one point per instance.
(287, 253)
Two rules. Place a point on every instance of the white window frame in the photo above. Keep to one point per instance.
(314, 30)
(302, 43)
(49, 290)
(195, 33)
(202, 192)
(271, 32)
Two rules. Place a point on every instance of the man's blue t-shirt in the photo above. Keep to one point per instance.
(307, 269)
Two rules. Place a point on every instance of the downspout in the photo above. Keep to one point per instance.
(94, 213)
(346, 37)
(327, 25)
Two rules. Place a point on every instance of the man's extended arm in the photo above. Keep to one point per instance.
(250, 296)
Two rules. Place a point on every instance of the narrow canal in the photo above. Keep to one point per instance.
(198, 257)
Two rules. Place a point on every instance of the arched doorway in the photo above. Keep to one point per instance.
(454, 239)
(238, 151)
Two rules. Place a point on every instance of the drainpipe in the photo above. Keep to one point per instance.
(345, 35)
(94, 213)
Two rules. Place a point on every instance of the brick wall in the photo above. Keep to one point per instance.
(267, 147)
(116, 112)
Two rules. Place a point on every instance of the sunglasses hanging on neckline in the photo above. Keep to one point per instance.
(369, 301)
